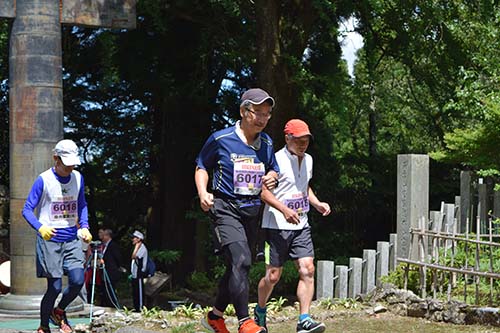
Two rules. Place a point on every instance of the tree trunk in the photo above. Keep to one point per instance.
(272, 73)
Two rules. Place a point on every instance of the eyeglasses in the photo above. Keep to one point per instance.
(260, 115)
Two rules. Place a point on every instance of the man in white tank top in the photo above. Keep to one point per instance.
(55, 204)
(285, 223)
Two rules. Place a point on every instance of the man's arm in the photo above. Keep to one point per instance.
(83, 215)
(270, 180)
(322, 207)
(136, 248)
(31, 203)
(201, 179)
(290, 215)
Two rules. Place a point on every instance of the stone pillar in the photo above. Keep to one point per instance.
(369, 260)
(465, 199)
(36, 124)
(4, 227)
(437, 220)
(382, 261)
(4, 202)
(496, 208)
(324, 277)
(342, 274)
(393, 250)
(449, 220)
(482, 206)
(355, 265)
(412, 199)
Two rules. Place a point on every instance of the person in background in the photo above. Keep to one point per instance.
(288, 234)
(138, 268)
(112, 269)
(242, 160)
(58, 194)
(100, 234)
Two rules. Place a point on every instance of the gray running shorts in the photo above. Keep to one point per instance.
(287, 244)
(55, 259)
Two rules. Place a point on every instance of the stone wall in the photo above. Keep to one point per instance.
(406, 303)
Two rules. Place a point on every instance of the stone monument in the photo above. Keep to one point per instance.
(412, 200)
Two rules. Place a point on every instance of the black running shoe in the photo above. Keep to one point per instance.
(308, 326)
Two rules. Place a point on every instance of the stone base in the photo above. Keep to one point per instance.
(25, 305)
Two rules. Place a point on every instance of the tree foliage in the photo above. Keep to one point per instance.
(142, 102)
(474, 141)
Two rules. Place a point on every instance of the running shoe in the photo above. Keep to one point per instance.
(214, 326)
(42, 329)
(249, 326)
(58, 318)
(260, 318)
(308, 325)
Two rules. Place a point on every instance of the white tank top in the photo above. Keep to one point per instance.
(59, 202)
(293, 190)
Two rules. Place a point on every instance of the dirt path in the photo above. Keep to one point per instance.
(356, 322)
(386, 322)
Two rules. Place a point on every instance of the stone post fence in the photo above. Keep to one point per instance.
(361, 276)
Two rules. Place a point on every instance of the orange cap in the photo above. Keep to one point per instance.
(297, 128)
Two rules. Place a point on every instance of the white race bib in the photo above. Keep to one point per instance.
(299, 202)
(247, 178)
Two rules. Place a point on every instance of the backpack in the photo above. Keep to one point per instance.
(150, 268)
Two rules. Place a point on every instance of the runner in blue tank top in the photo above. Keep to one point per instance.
(242, 160)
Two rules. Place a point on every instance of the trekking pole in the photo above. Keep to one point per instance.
(93, 284)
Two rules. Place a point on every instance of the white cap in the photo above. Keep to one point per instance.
(138, 234)
(68, 152)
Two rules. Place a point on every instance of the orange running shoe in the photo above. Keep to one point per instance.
(249, 326)
(214, 326)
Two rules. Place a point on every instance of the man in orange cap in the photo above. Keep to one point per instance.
(288, 234)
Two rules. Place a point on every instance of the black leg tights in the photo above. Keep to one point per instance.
(233, 286)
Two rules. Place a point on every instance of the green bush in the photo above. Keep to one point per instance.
(200, 281)
(397, 277)
(165, 257)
